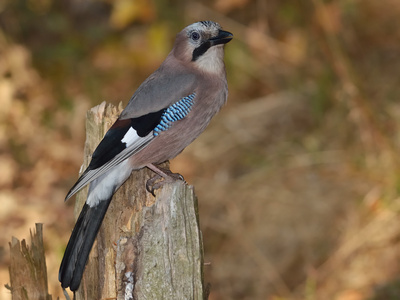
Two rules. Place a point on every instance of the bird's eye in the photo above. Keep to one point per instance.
(195, 35)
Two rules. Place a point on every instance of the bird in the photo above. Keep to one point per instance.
(168, 111)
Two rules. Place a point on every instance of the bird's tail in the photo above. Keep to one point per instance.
(81, 242)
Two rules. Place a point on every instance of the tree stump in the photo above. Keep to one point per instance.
(28, 273)
(147, 248)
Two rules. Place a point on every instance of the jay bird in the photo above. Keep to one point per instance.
(167, 112)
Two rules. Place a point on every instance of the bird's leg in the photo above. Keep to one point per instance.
(162, 177)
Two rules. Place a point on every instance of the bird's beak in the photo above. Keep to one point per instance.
(223, 37)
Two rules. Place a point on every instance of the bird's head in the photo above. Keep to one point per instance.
(201, 44)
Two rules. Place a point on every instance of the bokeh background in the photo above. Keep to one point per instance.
(297, 177)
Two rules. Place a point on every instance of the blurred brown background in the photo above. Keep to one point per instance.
(297, 177)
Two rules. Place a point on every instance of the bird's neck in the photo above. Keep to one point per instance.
(212, 62)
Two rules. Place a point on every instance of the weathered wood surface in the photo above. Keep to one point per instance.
(147, 248)
(28, 273)
(169, 247)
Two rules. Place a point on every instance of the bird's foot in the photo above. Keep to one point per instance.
(162, 177)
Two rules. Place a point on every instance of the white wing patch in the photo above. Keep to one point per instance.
(130, 137)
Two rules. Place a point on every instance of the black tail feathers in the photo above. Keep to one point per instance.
(80, 243)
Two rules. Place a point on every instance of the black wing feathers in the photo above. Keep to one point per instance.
(145, 124)
(112, 144)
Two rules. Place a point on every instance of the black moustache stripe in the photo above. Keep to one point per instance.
(199, 51)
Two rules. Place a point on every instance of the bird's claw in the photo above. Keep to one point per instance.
(157, 181)
(151, 184)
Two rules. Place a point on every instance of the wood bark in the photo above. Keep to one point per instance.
(148, 247)
(28, 273)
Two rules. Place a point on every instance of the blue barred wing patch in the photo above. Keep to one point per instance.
(175, 112)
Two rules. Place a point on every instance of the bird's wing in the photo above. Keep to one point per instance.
(133, 131)
(158, 91)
